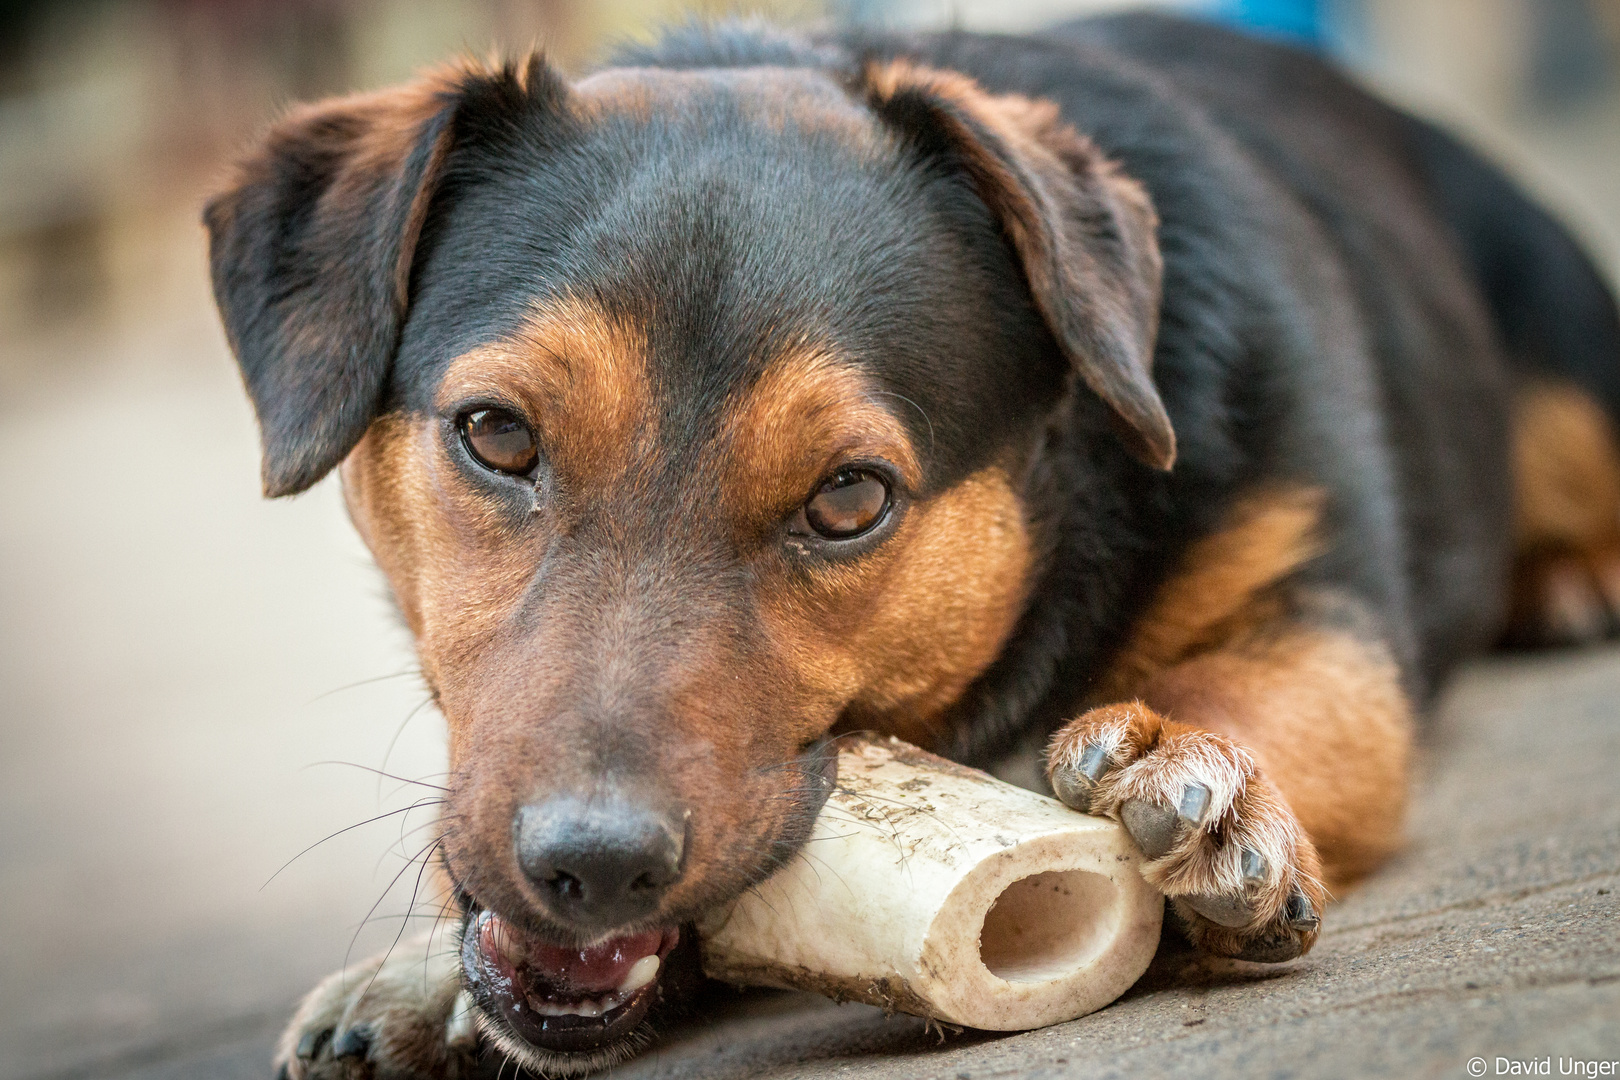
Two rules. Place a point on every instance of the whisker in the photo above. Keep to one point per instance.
(365, 682)
(379, 772)
(428, 852)
(386, 890)
(398, 846)
(402, 810)
(424, 703)
(444, 909)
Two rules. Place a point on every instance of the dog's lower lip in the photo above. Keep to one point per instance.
(563, 1000)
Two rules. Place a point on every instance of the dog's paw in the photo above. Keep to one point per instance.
(402, 1016)
(1222, 843)
(1565, 597)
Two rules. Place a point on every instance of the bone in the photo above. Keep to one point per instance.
(933, 889)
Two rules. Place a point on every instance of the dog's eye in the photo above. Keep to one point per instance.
(500, 440)
(847, 504)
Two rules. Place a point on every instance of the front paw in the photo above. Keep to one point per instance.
(1223, 845)
(400, 1016)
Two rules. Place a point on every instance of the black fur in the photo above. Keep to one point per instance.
(1556, 314)
(308, 252)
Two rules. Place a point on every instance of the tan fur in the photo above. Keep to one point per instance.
(803, 417)
(581, 378)
(957, 584)
(1566, 464)
(1566, 470)
(456, 571)
(1219, 585)
(896, 636)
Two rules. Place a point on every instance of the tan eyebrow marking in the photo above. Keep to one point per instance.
(581, 375)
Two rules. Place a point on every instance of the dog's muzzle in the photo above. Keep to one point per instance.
(560, 999)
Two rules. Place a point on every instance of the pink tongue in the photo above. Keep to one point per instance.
(594, 970)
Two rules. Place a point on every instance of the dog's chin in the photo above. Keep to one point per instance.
(558, 1010)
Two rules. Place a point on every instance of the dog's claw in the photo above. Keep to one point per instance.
(1075, 787)
(1301, 915)
(311, 1043)
(1254, 865)
(352, 1043)
(1094, 762)
(1194, 804)
(1155, 828)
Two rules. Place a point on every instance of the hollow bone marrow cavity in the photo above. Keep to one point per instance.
(937, 890)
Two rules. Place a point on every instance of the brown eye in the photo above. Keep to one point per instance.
(847, 504)
(500, 441)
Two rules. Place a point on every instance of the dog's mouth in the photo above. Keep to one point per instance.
(560, 999)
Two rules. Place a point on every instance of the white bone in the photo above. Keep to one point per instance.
(937, 890)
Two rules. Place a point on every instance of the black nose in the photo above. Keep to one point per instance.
(602, 862)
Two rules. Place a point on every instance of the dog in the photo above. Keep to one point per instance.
(1135, 391)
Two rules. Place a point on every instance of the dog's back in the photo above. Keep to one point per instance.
(1485, 321)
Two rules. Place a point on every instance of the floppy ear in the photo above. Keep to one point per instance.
(1084, 232)
(311, 250)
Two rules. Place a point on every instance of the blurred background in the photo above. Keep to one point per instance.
(194, 683)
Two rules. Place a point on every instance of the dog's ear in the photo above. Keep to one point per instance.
(1084, 231)
(311, 249)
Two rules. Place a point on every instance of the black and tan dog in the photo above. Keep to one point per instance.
(1136, 387)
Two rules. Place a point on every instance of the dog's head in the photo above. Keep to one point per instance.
(691, 415)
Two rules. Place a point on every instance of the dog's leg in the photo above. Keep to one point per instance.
(1262, 759)
(1255, 776)
(400, 1016)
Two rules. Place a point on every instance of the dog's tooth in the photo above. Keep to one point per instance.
(588, 1007)
(641, 973)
